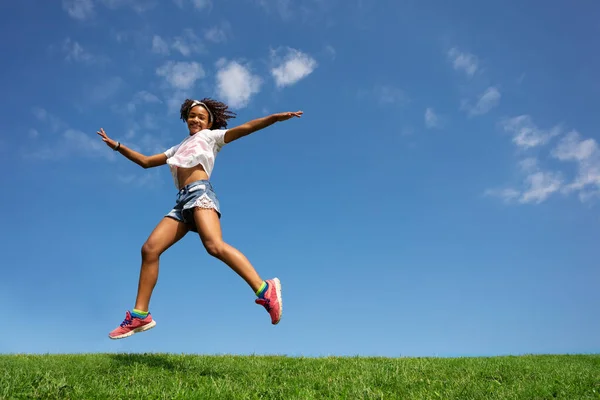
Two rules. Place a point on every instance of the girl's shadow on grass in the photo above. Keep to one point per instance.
(173, 363)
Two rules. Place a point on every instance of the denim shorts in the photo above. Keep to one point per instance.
(196, 194)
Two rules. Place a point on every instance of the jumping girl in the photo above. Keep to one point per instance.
(197, 207)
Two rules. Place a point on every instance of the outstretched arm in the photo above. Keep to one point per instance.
(258, 124)
(138, 158)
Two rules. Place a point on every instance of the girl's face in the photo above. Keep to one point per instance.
(198, 119)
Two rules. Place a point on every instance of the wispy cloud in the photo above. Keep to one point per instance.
(79, 9)
(186, 44)
(489, 99)
(87, 145)
(73, 143)
(147, 179)
(291, 67)
(385, 95)
(330, 51)
(51, 122)
(526, 134)
(586, 154)
(281, 7)
(218, 34)
(106, 89)
(461, 61)
(537, 185)
(142, 97)
(236, 83)
(573, 148)
(432, 120)
(175, 99)
(508, 195)
(196, 4)
(75, 52)
(84, 9)
(181, 74)
(67, 142)
(136, 5)
(159, 45)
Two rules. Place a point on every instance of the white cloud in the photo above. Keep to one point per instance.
(139, 98)
(197, 4)
(466, 62)
(537, 185)
(159, 45)
(145, 96)
(75, 52)
(526, 134)
(282, 7)
(136, 5)
(586, 154)
(571, 147)
(181, 74)
(330, 51)
(79, 9)
(236, 83)
(386, 95)
(431, 119)
(218, 34)
(187, 44)
(489, 99)
(507, 194)
(293, 66)
(84, 9)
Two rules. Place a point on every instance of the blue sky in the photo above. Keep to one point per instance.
(439, 197)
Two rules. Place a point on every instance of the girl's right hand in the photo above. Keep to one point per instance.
(109, 142)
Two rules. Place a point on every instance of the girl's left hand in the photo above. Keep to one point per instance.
(287, 115)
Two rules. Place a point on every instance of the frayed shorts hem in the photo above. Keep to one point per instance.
(196, 194)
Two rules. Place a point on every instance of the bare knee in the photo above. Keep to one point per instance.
(150, 251)
(215, 248)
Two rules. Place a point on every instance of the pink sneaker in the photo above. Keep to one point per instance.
(272, 300)
(131, 325)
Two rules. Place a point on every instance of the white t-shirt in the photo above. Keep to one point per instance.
(200, 148)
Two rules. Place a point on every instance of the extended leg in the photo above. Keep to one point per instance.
(269, 292)
(167, 233)
(209, 229)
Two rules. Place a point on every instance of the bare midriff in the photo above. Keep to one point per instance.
(185, 176)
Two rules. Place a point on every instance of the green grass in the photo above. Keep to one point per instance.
(166, 376)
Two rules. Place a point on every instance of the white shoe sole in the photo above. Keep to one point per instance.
(278, 291)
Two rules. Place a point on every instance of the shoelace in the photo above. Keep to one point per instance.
(126, 321)
(266, 303)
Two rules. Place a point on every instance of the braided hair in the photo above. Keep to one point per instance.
(220, 112)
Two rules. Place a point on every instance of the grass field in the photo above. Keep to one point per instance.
(166, 376)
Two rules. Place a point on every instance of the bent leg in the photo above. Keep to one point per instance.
(168, 232)
(209, 229)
